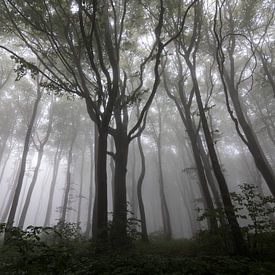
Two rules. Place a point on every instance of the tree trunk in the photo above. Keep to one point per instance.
(89, 218)
(5, 163)
(22, 166)
(164, 207)
(6, 205)
(133, 194)
(81, 186)
(119, 230)
(144, 234)
(30, 190)
(57, 159)
(252, 140)
(100, 204)
(212, 222)
(186, 118)
(238, 241)
(68, 180)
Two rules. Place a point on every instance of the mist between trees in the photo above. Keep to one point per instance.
(118, 111)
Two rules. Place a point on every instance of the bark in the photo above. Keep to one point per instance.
(68, 180)
(119, 230)
(100, 203)
(89, 218)
(23, 165)
(144, 234)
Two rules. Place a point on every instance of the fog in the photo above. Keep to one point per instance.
(138, 121)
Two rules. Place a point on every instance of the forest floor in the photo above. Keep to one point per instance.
(203, 255)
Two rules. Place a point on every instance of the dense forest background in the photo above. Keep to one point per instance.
(142, 120)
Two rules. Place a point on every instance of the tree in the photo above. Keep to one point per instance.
(189, 53)
(66, 38)
(40, 149)
(21, 174)
(231, 85)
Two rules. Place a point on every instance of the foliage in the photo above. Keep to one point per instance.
(32, 250)
(158, 257)
(255, 210)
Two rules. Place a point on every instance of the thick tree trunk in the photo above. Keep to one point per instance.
(22, 166)
(57, 159)
(119, 230)
(144, 234)
(100, 204)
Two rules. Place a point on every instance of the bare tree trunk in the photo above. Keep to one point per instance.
(100, 204)
(112, 166)
(81, 186)
(144, 234)
(5, 163)
(23, 165)
(133, 195)
(231, 88)
(186, 118)
(92, 167)
(119, 230)
(9, 195)
(238, 241)
(37, 167)
(252, 142)
(164, 207)
(57, 159)
(68, 180)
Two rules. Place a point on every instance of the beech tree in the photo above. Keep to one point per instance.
(232, 78)
(77, 59)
